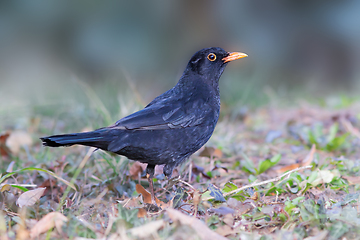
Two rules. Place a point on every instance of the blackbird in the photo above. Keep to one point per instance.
(172, 126)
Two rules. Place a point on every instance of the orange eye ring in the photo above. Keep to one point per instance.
(211, 57)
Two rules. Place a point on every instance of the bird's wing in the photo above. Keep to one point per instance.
(167, 116)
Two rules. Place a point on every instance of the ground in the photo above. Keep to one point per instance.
(268, 172)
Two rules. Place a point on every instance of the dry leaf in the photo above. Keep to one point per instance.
(287, 168)
(30, 197)
(239, 207)
(352, 180)
(133, 202)
(201, 229)
(229, 220)
(18, 139)
(50, 220)
(141, 213)
(310, 157)
(148, 229)
(4, 188)
(211, 152)
(4, 150)
(136, 168)
(147, 196)
(200, 170)
(306, 162)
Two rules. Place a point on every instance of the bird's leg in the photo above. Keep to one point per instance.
(150, 169)
(151, 189)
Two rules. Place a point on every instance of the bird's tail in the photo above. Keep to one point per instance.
(97, 138)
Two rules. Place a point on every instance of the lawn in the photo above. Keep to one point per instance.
(271, 171)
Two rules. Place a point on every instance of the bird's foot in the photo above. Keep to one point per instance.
(149, 207)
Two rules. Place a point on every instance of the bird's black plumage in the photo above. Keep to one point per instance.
(171, 127)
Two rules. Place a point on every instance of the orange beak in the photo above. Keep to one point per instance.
(234, 56)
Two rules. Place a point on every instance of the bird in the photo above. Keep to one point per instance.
(171, 127)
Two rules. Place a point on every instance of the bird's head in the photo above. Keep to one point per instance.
(211, 62)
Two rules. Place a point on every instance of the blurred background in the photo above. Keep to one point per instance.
(58, 54)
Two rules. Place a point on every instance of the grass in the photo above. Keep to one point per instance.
(231, 189)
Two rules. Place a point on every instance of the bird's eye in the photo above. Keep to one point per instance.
(211, 57)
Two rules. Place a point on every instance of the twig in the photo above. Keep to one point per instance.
(188, 184)
(125, 202)
(261, 183)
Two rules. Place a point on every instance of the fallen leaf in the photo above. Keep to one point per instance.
(306, 162)
(309, 157)
(229, 220)
(133, 202)
(49, 221)
(199, 170)
(148, 229)
(4, 188)
(211, 152)
(136, 168)
(30, 197)
(287, 168)
(4, 150)
(50, 183)
(201, 229)
(255, 196)
(147, 196)
(18, 139)
(141, 213)
(239, 207)
(352, 180)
